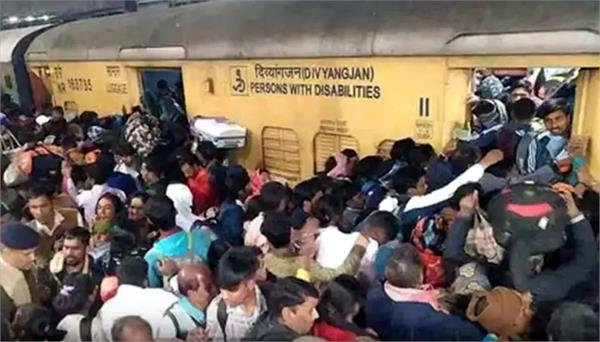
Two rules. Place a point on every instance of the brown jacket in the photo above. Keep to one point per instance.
(64, 219)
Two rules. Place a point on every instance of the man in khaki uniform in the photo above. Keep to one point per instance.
(18, 285)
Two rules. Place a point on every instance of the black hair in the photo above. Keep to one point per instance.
(407, 178)
(156, 165)
(276, 227)
(33, 323)
(483, 106)
(236, 180)
(289, 292)
(115, 200)
(573, 322)
(132, 271)
(298, 218)
(367, 167)
(208, 151)
(79, 233)
(74, 294)
(305, 191)
(385, 221)
(349, 153)
(58, 109)
(464, 157)
(123, 148)
(43, 189)
(238, 264)
(101, 170)
(329, 209)
(326, 184)
(216, 250)
(401, 148)
(330, 163)
(553, 105)
(525, 84)
(139, 194)
(420, 155)
(253, 208)
(161, 212)
(523, 109)
(404, 268)
(346, 190)
(137, 109)
(188, 159)
(273, 194)
(462, 192)
(128, 321)
(340, 299)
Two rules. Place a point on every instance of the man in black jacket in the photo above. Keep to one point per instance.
(549, 285)
(292, 311)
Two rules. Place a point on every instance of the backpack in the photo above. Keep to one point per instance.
(428, 237)
(533, 151)
(526, 152)
(530, 213)
(142, 133)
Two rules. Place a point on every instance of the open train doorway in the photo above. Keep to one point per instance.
(162, 93)
(508, 108)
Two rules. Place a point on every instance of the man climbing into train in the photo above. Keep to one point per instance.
(171, 111)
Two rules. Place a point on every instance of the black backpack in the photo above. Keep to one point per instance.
(532, 214)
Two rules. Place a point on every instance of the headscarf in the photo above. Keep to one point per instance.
(491, 87)
(97, 134)
(495, 116)
(182, 199)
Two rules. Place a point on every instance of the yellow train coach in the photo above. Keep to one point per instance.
(309, 78)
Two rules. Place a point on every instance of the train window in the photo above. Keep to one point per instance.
(162, 90)
(327, 144)
(384, 148)
(281, 153)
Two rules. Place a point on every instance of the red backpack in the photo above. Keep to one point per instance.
(428, 237)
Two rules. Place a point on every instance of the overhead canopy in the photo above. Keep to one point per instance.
(10, 38)
(283, 29)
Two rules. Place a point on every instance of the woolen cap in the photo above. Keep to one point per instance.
(16, 235)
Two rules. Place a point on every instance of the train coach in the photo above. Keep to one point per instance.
(310, 78)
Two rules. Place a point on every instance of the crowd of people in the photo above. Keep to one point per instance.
(126, 228)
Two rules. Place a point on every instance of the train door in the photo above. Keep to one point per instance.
(162, 91)
(492, 93)
(41, 86)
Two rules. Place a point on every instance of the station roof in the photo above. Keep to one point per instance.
(291, 29)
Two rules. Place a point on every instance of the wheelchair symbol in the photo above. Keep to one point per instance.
(238, 82)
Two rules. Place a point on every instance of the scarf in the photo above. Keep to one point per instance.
(425, 294)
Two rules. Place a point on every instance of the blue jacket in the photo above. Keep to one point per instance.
(412, 321)
(231, 222)
(178, 245)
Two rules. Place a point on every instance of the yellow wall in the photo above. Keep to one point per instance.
(104, 87)
(587, 110)
(401, 83)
